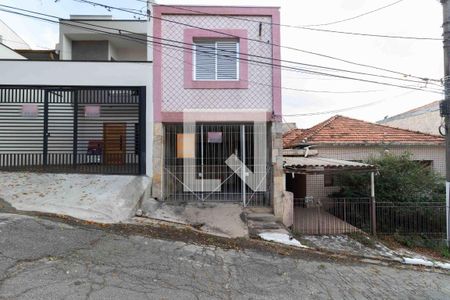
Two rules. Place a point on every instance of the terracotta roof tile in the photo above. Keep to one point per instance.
(344, 130)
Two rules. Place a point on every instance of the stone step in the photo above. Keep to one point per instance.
(261, 217)
(259, 209)
(263, 225)
(262, 221)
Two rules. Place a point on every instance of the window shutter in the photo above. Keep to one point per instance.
(227, 60)
(205, 61)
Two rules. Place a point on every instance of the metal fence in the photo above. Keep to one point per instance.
(72, 129)
(332, 216)
(347, 215)
(411, 218)
(196, 164)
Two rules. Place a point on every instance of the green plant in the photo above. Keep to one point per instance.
(363, 239)
(413, 241)
(445, 252)
(408, 241)
(400, 179)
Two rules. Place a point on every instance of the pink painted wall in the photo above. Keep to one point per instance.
(173, 93)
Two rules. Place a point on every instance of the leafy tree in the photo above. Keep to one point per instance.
(399, 179)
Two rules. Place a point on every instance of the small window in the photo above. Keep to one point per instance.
(426, 163)
(216, 60)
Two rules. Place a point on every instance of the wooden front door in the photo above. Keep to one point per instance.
(114, 143)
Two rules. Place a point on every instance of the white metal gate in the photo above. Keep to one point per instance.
(216, 162)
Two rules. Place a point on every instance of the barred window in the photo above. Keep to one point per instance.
(216, 60)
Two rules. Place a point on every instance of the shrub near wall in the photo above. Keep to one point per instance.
(410, 196)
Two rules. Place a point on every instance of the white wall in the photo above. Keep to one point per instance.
(12, 39)
(124, 48)
(7, 53)
(75, 73)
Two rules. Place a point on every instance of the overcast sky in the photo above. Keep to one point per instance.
(407, 18)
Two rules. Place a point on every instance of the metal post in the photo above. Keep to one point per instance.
(201, 160)
(75, 129)
(345, 211)
(46, 134)
(142, 138)
(445, 106)
(244, 200)
(373, 207)
(319, 217)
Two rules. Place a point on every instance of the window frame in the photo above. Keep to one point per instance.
(216, 72)
(238, 35)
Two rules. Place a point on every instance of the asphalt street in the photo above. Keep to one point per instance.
(43, 259)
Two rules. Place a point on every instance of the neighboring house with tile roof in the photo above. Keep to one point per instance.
(425, 119)
(349, 139)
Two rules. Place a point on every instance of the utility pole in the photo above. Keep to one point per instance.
(445, 107)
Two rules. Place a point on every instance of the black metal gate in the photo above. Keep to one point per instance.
(72, 129)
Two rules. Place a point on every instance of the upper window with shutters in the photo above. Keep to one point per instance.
(216, 60)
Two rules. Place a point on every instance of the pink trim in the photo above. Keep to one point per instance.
(179, 117)
(189, 83)
(276, 71)
(159, 10)
(157, 67)
(217, 10)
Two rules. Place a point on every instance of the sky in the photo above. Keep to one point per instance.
(361, 100)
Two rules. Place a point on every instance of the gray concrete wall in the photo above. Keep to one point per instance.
(158, 160)
(428, 122)
(90, 50)
(278, 185)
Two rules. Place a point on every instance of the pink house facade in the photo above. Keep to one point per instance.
(217, 104)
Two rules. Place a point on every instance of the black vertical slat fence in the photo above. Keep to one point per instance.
(72, 129)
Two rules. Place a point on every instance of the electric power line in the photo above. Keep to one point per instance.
(307, 114)
(347, 108)
(235, 52)
(308, 28)
(330, 111)
(146, 41)
(255, 40)
(354, 17)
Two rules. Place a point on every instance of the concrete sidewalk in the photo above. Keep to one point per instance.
(221, 219)
(97, 198)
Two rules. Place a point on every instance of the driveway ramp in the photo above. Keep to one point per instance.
(97, 198)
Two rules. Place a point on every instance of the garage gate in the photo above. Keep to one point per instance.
(72, 129)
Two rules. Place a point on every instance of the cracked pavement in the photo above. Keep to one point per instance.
(43, 259)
